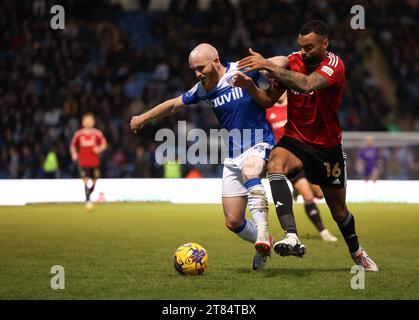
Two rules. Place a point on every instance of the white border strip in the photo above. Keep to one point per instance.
(21, 192)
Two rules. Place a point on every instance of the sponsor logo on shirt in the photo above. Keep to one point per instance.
(86, 142)
(232, 95)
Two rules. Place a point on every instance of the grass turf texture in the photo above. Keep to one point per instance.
(124, 251)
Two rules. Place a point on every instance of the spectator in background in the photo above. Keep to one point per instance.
(51, 165)
(28, 163)
(172, 169)
(194, 173)
(3, 164)
(117, 164)
(400, 161)
(141, 165)
(13, 169)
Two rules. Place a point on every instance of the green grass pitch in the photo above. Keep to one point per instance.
(124, 251)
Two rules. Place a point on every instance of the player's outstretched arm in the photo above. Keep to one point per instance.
(163, 109)
(293, 80)
(297, 81)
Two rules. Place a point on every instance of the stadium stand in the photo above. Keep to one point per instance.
(117, 63)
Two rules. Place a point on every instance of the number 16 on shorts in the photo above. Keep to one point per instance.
(335, 173)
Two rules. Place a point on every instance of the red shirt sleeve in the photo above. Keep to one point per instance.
(291, 59)
(332, 69)
(100, 138)
(75, 141)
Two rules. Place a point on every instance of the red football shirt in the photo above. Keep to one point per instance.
(277, 118)
(313, 117)
(85, 140)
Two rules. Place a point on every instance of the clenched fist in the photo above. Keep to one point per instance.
(136, 123)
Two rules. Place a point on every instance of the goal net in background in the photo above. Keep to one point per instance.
(398, 154)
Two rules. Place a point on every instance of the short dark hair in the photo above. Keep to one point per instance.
(315, 26)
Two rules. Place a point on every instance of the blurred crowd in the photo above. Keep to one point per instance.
(117, 63)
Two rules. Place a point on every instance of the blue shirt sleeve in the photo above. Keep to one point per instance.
(191, 96)
(255, 75)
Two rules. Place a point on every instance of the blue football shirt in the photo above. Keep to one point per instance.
(235, 110)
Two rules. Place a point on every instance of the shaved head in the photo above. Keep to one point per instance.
(205, 62)
(203, 53)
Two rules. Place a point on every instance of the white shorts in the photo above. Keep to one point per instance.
(233, 184)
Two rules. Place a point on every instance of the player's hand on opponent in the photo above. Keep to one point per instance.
(136, 123)
(241, 80)
(253, 62)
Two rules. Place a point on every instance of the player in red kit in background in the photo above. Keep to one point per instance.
(312, 140)
(86, 146)
(277, 118)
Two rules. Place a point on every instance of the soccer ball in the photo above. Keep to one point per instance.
(190, 259)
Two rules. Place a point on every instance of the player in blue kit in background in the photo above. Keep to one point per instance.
(247, 153)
